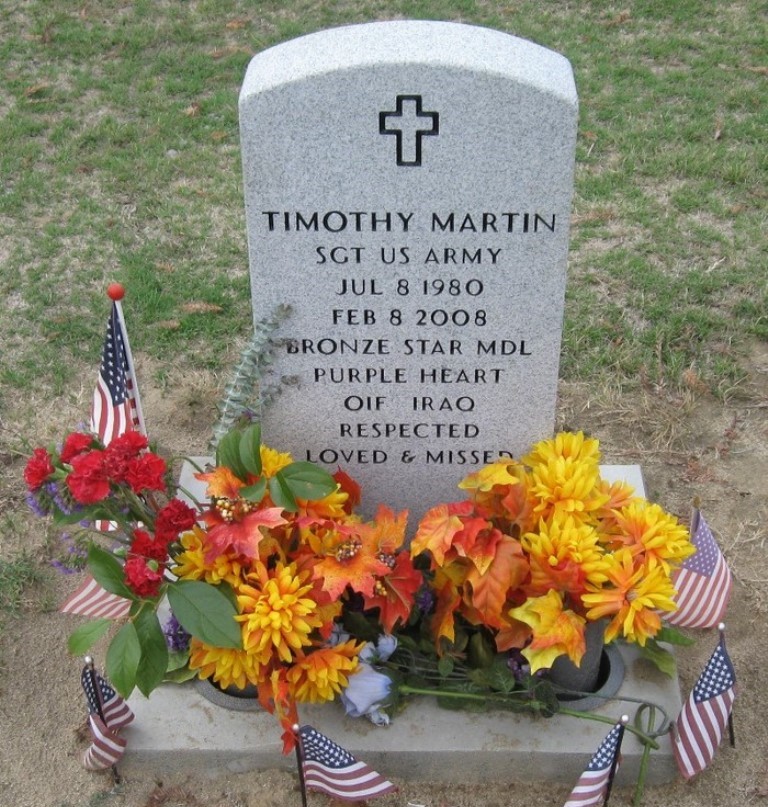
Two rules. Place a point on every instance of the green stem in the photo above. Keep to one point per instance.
(406, 689)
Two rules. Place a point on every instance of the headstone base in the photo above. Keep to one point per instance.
(177, 729)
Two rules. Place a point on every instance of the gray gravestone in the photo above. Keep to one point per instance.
(408, 190)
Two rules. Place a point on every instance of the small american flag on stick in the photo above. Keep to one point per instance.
(116, 404)
(108, 713)
(327, 767)
(702, 721)
(594, 785)
(116, 409)
(703, 582)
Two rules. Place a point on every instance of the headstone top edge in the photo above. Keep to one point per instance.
(417, 42)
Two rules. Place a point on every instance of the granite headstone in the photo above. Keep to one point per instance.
(408, 188)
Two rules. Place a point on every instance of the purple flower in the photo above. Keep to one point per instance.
(176, 637)
(369, 690)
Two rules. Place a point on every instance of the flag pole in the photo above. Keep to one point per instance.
(116, 292)
(300, 763)
(731, 733)
(100, 707)
(615, 762)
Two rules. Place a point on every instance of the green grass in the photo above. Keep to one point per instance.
(121, 161)
(16, 575)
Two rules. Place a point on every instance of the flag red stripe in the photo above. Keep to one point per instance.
(700, 729)
(106, 749)
(704, 599)
(589, 790)
(355, 782)
(92, 600)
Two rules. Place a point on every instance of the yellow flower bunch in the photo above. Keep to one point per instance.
(549, 545)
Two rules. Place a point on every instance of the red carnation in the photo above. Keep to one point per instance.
(148, 547)
(39, 468)
(88, 481)
(121, 451)
(146, 472)
(141, 578)
(74, 444)
(176, 517)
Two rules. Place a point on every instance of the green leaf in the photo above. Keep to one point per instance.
(108, 571)
(123, 658)
(205, 612)
(228, 454)
(307, 481)
(86, 635)
(445, 666)
(255, 492)
(674, 636)
(660, 657)
(178, 660)
(250, 449)
(154, 651)
(180, 675)
(281, 493)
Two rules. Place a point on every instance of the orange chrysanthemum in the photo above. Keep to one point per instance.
(321, 675)
(275, 615)
(634, 597)
(225, 665)
(192, 563)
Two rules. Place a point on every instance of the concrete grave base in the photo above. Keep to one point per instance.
(178, 729)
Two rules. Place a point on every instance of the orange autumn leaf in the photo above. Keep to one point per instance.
(437, 530)
(242, 537)
(395, 593)
(387, 531)
(350, 566)
(478, 543)
(222, 483)
(506, 571)
(443, 623)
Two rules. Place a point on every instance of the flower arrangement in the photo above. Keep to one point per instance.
(282, 585)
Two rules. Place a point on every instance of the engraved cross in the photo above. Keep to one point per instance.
(408, 123)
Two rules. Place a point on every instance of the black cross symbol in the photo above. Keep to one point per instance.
(414, 123)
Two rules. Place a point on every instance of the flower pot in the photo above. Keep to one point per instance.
(233, 698)
(584, 678)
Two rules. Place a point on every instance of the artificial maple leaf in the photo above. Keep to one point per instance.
(443, 622)
(386, 532)
(349, 565)
(350, 487)
(400, 587)
(498, 473)
(438, 528)
(242, 536)
(477, 541)
(507, 570)
(222, 483)
(514, 634)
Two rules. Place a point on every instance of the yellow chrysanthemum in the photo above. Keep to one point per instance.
(564, 554)
(275, 614)
(322, 674)
(555, 630)
(567, 485)
(225, 665)
(637, 594)
(565, 445)
(646, 528)
(192, 565)
(273, 461)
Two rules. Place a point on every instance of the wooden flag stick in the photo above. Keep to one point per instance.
(615, 763)
(100, 708)
(731, 733)
(300, 764)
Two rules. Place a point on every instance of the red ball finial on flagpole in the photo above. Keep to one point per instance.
(116, 291)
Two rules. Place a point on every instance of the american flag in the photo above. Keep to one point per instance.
(116, 409)
(92, 600)
(116, 406)
(327, 767)
(593, 785)
(108, 713)
(703, 583)
(702, 721)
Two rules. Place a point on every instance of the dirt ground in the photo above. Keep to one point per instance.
(688, 445)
